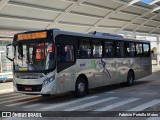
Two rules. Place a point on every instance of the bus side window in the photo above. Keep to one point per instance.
(120, 51)
(110, 49)
(130, 49)
(84, 49)
(138, 49)
(127, 49)
(146, 50)
(67, 54)
(97, 49)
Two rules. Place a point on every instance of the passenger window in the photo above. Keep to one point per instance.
(84, 49)
(67, 54)
(97, 49)
(120, 52)
(130, 49)
(110, 49)
(138, 49)
(146, 50)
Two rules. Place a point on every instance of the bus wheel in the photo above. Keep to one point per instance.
(45, 95)
(80, 87)
(130, 78)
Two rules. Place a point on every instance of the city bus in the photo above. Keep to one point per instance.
(53, 61)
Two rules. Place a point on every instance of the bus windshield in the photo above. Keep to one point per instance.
(34, 56)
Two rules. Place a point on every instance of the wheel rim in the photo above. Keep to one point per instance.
(81, 87)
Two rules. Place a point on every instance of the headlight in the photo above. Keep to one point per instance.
(48, 80)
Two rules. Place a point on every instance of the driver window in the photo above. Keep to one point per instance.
(67, 54)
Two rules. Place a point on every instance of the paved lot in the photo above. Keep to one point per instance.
(144, 95)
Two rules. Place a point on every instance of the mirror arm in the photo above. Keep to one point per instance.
(9, 58)
(7, 52)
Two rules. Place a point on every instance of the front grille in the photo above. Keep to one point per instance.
(29, 88)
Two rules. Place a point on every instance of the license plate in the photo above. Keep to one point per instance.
(28, 89)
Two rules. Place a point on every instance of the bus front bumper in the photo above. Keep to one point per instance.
(35, 89)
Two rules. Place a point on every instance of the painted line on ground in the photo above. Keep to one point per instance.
(9, 98)
(90, 104)
(14, 100)
(33, 105)
(68, 103)
(145, 105)
(20, 103)
(106, 108)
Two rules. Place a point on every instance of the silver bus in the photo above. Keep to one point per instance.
(54, 61)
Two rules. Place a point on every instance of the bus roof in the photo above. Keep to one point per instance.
(103, 36)
(91, 34)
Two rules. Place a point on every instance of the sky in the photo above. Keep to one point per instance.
(146, 1)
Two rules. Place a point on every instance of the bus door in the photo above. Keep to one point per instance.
(66, 59)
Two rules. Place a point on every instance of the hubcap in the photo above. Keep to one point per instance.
(81, 87)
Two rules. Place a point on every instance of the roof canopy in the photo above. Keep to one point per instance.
(109, 16)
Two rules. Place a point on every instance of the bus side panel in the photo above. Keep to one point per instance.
(109, 73)
(123, 66)
(147, 67)
(60, 83)
(66, 79)
(137, 67)
(87, 68)
(99, 72)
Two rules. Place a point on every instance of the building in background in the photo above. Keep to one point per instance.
(5, 64)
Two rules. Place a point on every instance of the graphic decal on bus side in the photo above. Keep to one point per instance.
(82, 65)
(105, 70)
(93, 64)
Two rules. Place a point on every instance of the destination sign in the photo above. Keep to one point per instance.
(30, 36)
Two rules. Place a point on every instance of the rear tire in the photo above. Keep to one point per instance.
(130, 78)
(80, 88)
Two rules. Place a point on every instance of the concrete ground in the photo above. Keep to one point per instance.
(6, 87)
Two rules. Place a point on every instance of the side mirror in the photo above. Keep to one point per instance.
(8, 54)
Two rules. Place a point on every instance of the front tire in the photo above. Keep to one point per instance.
(80, 87)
